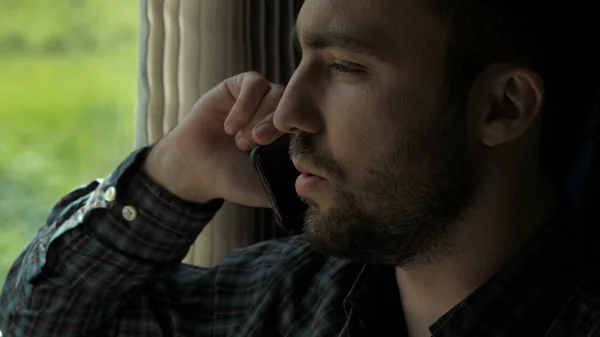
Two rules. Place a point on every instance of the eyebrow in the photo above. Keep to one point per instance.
(337, 38)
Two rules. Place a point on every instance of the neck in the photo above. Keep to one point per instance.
(491, 232)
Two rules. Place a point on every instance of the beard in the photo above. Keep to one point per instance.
(409, 203)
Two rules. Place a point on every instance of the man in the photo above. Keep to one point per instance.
(434, 137)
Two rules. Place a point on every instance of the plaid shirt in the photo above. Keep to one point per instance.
(107, 264)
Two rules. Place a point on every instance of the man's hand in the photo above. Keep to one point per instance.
(206, 156)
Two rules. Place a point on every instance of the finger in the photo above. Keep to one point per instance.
(267, 106)
(265, 132)
(248, 92)
(243, 143)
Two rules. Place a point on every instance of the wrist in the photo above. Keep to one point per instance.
(165, 168)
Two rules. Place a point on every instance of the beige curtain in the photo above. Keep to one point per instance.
(189, 46)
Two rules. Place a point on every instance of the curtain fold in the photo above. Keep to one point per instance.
(188, 47)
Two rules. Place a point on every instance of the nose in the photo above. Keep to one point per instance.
(298, 110)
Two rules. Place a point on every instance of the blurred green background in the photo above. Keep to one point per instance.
(67, 96)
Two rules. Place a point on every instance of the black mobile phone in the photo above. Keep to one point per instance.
(278, 176)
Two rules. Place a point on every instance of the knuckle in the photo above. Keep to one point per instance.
(230, 87)
(277, 86)
(253, 74)
(255, 79)
(277, 91)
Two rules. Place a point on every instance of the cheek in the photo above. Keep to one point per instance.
(360, 132)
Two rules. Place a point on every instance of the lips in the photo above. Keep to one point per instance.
(306, 171)
(309, 186)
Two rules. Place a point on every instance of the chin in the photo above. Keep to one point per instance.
(383, 236)
(317, 206)
(332, 234)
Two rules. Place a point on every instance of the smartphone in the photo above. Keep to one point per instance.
(278, 176)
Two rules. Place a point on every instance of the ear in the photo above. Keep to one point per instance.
(510, 101)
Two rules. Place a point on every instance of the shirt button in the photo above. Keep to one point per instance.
(129, 213)
(110, 194)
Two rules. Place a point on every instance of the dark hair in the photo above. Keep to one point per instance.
(557, 41)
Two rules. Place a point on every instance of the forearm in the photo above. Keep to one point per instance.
(100, 243)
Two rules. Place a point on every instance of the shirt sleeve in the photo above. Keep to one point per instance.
(103, 245)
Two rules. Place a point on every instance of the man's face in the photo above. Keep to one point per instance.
(371, 114)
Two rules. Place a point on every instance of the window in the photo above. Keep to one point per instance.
(67, 95)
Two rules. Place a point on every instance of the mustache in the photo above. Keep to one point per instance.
(304, 147)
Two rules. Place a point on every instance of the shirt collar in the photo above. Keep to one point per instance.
(373, 305)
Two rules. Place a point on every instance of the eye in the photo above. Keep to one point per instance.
(345, 68)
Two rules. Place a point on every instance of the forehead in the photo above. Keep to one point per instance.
(396, 24)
